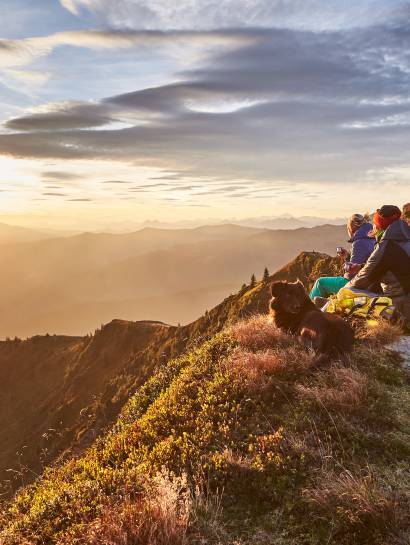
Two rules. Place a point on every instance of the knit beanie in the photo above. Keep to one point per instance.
(386, 215)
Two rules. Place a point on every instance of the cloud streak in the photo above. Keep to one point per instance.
(24, 51)
(205, 14)
(281, 104)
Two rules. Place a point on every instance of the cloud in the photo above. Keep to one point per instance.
(71, 6)
(23, 51)
(54, 194)
(64, 115)
(205, 14)
(305, 106)
(58, 175)
(115, 182)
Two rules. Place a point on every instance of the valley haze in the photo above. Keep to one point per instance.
(71, 285)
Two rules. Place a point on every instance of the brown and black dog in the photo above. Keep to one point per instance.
(292, 310)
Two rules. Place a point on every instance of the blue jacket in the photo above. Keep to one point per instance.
(362, 244)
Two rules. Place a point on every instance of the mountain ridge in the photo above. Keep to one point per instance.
(239, 439)
(119, 371)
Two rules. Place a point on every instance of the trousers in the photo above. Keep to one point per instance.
(327, 285)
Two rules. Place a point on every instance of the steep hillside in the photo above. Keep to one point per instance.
(48, 383)
(241, 440)
(60, 392)
(56, 277)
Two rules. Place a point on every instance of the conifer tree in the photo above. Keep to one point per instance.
(265, 278)
(253, 281)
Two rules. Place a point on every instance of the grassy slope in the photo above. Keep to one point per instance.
(60, 392)
(240, 441)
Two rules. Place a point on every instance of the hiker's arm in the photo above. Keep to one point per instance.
(372, 271)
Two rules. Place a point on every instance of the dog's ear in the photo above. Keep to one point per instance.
(300, 285)
(276, 288)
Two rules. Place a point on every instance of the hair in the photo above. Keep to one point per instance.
(355, 221)
(406, 212)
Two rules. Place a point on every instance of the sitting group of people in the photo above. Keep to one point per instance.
(379, 261)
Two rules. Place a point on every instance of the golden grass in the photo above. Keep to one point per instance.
(258, 369)
(260, 332)
(362, 502)
(160, 516)
(378, 332)
(340, 388)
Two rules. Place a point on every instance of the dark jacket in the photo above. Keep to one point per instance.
(389, 263)
(362, 244)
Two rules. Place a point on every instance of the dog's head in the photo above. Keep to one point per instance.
(288, 297)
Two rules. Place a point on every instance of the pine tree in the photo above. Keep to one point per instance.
(253, 281)
(265, 278)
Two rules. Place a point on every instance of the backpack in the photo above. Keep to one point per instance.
(362, 304)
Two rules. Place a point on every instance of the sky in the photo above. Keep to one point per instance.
(115, 112)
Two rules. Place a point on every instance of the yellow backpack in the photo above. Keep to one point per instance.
(361, 304)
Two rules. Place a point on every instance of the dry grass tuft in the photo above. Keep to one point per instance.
(379, 332)
(345, 389)
(257, 368)
(159, 517)
(360, 503)
(259, 333)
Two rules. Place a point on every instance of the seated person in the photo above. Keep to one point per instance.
(389, 264)
(358, 228)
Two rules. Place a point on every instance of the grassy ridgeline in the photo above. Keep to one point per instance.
(240, 441)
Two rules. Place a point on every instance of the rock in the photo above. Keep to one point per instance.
(403, 348)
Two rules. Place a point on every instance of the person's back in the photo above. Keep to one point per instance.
(389, 264)
(396, 280)
(362, 244)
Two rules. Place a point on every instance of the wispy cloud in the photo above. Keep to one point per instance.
(309, 91)
(23, 51)
(163, 14)
(206, 103)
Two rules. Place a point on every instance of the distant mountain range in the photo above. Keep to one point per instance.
(14, 233)
(70, 285)
(290, 222)
(284, 221)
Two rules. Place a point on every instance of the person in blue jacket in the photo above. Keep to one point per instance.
(359, 228)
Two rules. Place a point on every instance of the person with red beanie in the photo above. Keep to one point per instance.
(389, 264)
